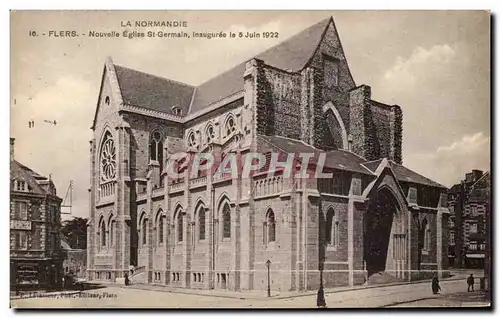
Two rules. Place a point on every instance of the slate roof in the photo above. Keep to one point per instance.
(372, 165)
(157, 93)
(19, 171)
(153, 92)
(335, 159)
(404, 174)
(292, 55)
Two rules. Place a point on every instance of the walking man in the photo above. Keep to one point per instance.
(470, 283)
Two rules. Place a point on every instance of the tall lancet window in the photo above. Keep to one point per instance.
(156, 149)
(226, 221)
(332, 229)
(331, 71)
(271, 226)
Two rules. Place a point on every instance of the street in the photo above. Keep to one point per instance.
(409, 295)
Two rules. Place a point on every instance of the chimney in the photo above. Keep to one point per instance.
(12, 149)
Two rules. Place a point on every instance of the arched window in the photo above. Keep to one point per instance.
(230, 125)
(210, 133)
(427, 235)
(107, 158)
(271, 226)
(102, 229)
(191, 139)
(201, 223)
(160, 228)
(112, 225)
(226, 221)
(144, 230)
(156, 146)
(332, 228)
(180, 224)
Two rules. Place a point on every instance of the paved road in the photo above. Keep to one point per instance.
(117, 297)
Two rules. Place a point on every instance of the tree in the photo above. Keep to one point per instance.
(75, 230)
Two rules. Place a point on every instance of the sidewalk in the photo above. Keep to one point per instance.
(262, 295)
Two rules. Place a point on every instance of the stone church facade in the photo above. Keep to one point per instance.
(373, 218)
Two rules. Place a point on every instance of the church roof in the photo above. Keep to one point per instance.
(157, 93)
(404, 174)
(153, 92)
(292, 55)
(335, 159)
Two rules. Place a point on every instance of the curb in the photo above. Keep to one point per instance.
(304, 294)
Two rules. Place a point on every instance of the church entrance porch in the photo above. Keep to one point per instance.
(385, 239)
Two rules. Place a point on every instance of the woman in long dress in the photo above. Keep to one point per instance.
(435, 285)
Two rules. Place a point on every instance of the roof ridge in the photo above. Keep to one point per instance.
(154, 75)
(277, 45)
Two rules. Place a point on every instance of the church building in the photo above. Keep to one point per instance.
(373, 220)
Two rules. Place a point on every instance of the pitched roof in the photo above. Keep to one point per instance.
(292, 55)
(157, 93)
(153, 92)
(335, 159)
(19, 171)
(372, 165)
(404, 174)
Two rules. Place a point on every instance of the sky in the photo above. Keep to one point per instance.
(434, 64)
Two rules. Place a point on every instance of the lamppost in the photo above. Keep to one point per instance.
(321, 266)
(268, 264)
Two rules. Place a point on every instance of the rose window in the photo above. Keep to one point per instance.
(108, 158)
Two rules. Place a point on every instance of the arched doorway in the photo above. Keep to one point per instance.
(385, 250)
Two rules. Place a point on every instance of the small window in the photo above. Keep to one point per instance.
(21, 240)
(210, 133)
(191, 139)
(21, 210)
(177, 111)
(106, 100)
(230, 126)
(21, 185)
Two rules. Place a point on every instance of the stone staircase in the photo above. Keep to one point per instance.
(139, 276)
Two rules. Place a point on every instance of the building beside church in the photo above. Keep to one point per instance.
(468, 204)
(373, 218)
(35, 221)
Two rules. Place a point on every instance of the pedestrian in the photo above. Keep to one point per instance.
(320, 301)
(435, 285)
(470, 283)
(127, 281)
